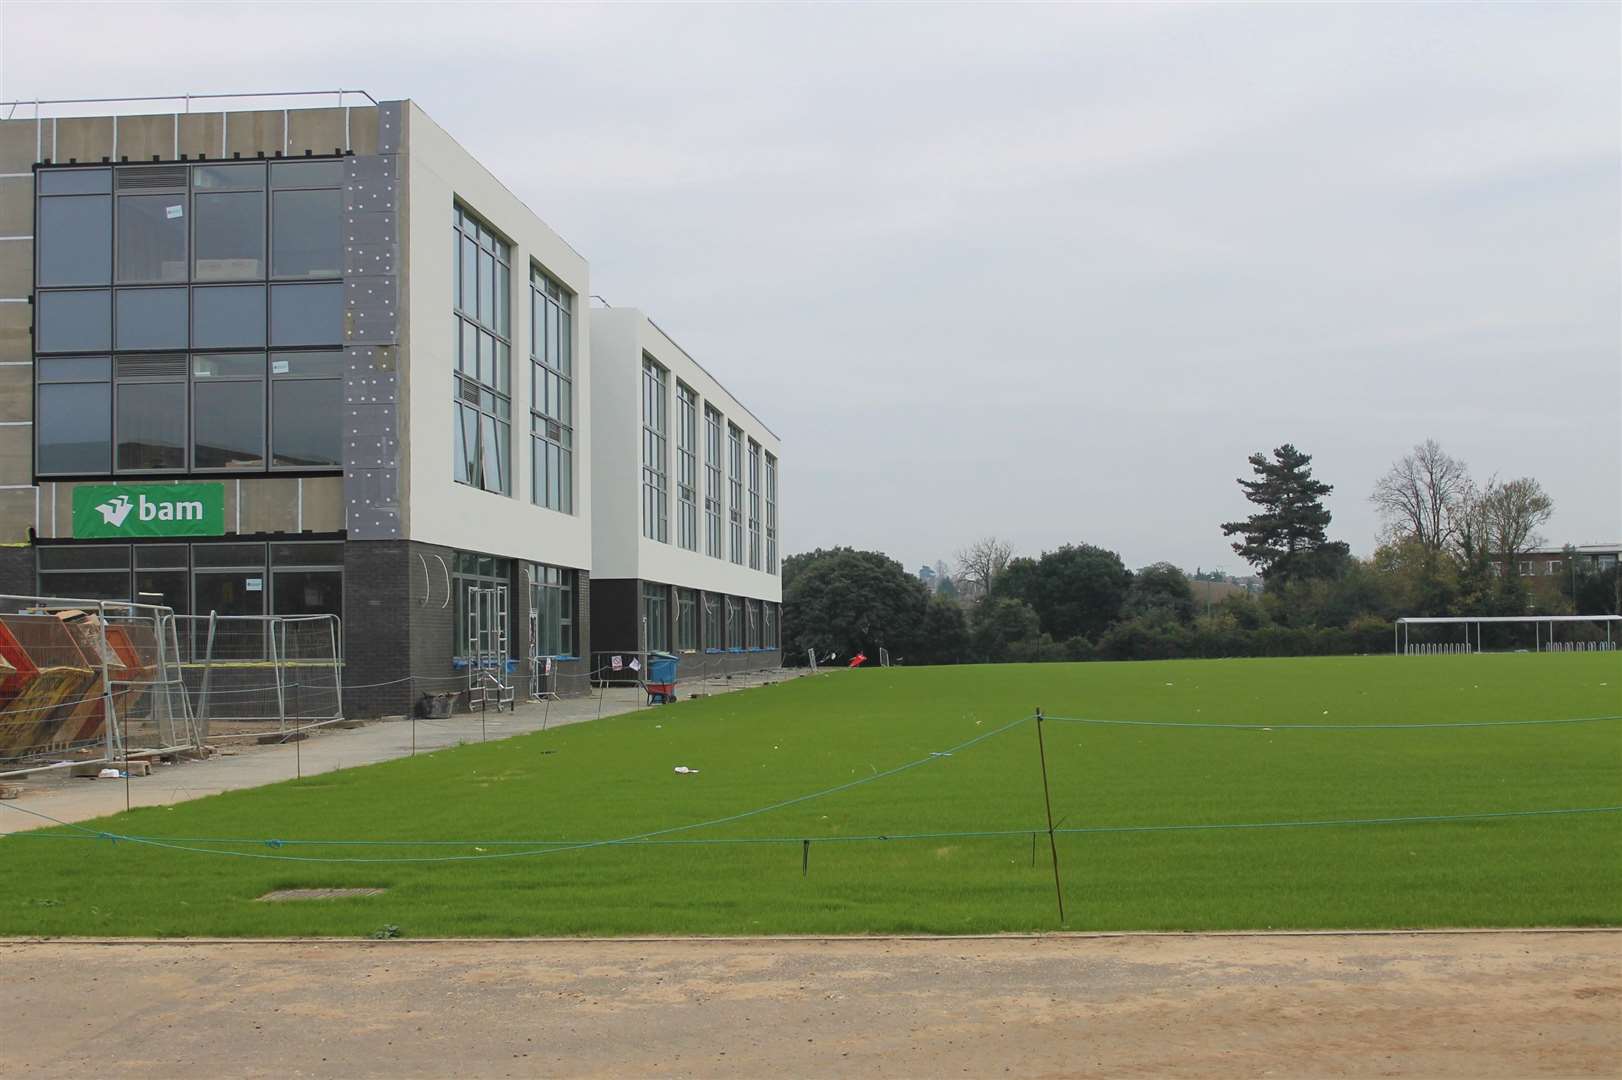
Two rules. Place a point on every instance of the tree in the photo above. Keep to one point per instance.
(1000, 622)
(944, 636)
(1160, 591)
(848, 601)
(979, 564)
(1423, 495)
(1076, 590)
(1285, 539)
(947, 588)
(1510, 515)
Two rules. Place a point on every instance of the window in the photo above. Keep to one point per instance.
(771, 514)
(306, 315)
(768, 632)
(551, 611)
(471, 571)
(228, 411)
(656, 617)
(735, 491)
(306, 216)
(74, 233)
(73, 321)
(483, 429)
(149, 413)
(84, 572)
(655, 492)
(714, 625)
(228, 223)
(712, 483)
(686, 467)
(754, 505)
(73, 418)
(1526, 568)
(150, 319)
(734, 624)
(306, 409)
(187, 386)
(751, 610)
(307, 579)
(551, 388)
(152, 229)
(228, 317)
(687, 620)
(1552, 567)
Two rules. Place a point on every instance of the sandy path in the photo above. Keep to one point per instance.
(1477, 1005)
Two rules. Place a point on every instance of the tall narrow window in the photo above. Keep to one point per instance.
(656, 617)
(655, 492)
(482, 432)
(686, 467)
(734, 624)
(687, 620)
(712, 484)
(551, 392)
(771, 515)
(714, 623)
(754, 505)
(735, 492)
(551, 610)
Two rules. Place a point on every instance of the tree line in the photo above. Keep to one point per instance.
(1448, 547)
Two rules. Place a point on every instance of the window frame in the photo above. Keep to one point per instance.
(551, 354)
(714, 537)
(489, 401)
(686, 467)
(655, 450)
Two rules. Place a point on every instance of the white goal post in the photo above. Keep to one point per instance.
(1544, 638)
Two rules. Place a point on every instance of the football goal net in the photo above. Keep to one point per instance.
(1462, 634)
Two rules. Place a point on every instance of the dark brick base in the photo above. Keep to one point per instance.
(399, 621)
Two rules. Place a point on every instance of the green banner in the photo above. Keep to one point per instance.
(121, 511)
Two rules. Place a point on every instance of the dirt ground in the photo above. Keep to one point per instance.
(1468, 1004)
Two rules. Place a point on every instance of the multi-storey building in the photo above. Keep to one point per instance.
(307, 360)
(685, 541)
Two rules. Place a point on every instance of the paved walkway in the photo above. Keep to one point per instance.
(244, 764)
(1425, 1005)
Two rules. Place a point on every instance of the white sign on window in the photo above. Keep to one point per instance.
(173, 212)
(256, 584)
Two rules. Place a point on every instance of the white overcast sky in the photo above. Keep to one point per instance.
(1045, 272)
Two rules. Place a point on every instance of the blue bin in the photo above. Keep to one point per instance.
(662, 667)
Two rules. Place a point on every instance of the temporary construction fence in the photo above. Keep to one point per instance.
(261, 670)
(89, 675)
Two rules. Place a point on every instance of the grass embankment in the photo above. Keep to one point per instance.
(613, 779)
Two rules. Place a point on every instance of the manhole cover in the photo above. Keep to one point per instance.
(318, 894)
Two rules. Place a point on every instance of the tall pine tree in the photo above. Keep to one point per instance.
(1285, 538)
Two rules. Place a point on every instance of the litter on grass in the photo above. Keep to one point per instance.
(684, 770)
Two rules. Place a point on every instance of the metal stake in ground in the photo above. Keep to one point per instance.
(1047, 801)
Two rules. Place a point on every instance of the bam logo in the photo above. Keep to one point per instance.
(149, 510)
(116, 510)
(113, 513)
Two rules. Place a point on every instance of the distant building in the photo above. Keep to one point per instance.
(1546, 571)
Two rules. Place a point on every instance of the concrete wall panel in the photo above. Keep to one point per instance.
(84, 138)
(16, 320)
(320, 131)
(323, 504)
(269, 504)
(16, 393)
(16, 515)
(363, 130)
(16, 205)
(140, 137)
(249, 133)
(18, 140)
(202, 135)
(16, 453)
(16, 268)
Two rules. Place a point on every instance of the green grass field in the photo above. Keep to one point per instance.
(497, 806)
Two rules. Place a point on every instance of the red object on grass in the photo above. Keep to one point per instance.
(858, 660)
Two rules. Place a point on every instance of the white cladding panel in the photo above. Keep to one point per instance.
(438, 510)
(620, 338)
